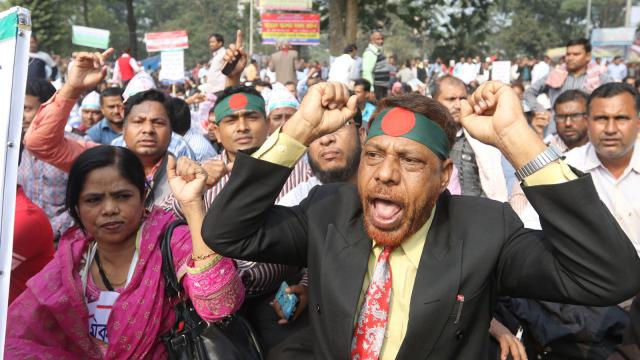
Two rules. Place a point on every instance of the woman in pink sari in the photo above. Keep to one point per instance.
(103, 294)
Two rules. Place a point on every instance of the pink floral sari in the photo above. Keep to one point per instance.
(50, 319)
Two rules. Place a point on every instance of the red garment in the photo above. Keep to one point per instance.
(126, 71)
(32, 243)
(372, 322)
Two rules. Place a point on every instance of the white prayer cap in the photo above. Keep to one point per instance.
(91, 101)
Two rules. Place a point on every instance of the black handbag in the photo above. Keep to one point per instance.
(193, 338)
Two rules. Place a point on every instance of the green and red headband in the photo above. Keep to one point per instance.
(236, 102)
(400, 122)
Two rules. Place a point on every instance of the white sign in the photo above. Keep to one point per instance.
(171, 66)
(15, 31)
(613, 36)
(501, 71)
(91, 37)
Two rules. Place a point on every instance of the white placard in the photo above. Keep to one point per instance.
(501, 71)
(172, 66)
(15, 31)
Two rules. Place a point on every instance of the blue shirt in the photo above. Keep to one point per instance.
(178, 147)
(101, 133)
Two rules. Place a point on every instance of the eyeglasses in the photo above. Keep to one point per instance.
(562, 118)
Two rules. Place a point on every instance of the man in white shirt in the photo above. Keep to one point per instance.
(540, 70)
(617, 69)
(611, 157)
(342, 66)
(215, 78)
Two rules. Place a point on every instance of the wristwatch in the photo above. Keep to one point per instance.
(546, 157)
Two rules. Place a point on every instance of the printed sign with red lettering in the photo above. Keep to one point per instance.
(169, 40)
(297, 29)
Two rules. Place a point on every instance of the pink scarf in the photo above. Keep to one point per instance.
(559, 75)
(51, 318)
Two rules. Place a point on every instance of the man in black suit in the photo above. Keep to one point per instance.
(447, 257)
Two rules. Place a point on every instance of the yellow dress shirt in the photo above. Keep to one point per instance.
(284, 150)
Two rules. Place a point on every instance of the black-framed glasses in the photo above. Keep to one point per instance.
(562, 118)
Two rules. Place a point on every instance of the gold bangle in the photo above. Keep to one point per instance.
(202, 257)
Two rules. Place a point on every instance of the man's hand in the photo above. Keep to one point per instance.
(87, 72)
(509, 344)
(216, 170)
(493, 115)
(187, 181)
(325, 108)
(303, 299)
(235, 51)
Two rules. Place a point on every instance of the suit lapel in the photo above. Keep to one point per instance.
(435, 287)
(352, 258)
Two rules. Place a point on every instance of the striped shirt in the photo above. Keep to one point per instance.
(258, 278)
(200, 145)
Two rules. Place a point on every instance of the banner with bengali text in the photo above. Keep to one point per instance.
(168, 40)
(297, 29)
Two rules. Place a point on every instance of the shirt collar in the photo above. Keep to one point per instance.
(104, 124)
(592, 161)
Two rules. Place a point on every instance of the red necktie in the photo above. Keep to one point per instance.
(372, 322)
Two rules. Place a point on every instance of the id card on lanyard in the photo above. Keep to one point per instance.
(100, 310)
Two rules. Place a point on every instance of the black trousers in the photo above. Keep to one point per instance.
(264, 321)
(296, 347)
(380, 91)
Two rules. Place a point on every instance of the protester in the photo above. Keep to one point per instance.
(125, 69)
(202, 149)
(374, 65)
(90, 113)
(215, 78)
(575, 75)
(147, 125)
(570, 111)
(32, 243)
(362, 90)
(113, 257)
(283, 63)
(342, 66)
(41, 65)
(241, 124)
(617, 69)
(281, 105)
(554, 264)
(42, 183)
(540, 69)
(478, 164)
(109, 128)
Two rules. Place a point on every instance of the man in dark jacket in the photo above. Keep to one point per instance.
(444, 258)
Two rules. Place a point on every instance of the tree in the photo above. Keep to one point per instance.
(131, 23)
(49, 23)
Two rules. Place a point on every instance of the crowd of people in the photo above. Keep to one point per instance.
(415, 209)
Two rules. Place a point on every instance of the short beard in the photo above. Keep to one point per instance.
(341, 174)
(415, 219)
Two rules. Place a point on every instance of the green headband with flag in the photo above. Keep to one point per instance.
(238, 101)
(400, 122)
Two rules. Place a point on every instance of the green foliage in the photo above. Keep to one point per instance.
(50, 22)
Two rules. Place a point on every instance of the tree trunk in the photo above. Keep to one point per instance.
(336, 26)
(85, 12)
(351, 21)
(131, 23)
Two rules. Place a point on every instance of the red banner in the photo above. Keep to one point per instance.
(169, 40)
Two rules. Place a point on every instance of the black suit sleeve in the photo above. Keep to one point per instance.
(581, 256)
(243, 222)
